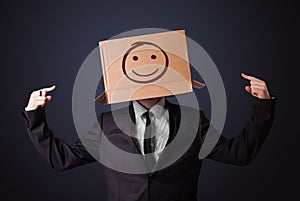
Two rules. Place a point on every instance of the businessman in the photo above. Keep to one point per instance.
(155, 125)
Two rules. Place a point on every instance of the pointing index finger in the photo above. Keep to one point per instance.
(248, 77)
(49, 89)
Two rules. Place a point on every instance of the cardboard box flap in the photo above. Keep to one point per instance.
(102, 98)
(197, 84)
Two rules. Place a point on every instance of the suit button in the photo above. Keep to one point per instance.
(151, 181)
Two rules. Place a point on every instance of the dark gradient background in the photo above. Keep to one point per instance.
(45, 42)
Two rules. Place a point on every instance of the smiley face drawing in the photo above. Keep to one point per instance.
(145, 62)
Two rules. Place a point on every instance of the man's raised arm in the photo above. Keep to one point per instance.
(243, 147)
(59, 154)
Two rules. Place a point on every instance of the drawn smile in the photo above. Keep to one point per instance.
(145, 75)
(142, 76)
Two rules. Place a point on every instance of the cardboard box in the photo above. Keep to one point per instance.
(146, 66)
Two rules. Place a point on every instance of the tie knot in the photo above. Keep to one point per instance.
(146, 115)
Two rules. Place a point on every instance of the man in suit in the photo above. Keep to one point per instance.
(156, 123)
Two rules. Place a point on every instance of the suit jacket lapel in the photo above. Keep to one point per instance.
(126, 120)
(174, 118)
(132, 139)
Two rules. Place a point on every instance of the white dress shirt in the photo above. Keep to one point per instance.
(159, 116)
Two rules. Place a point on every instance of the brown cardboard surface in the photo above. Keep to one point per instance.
(146, 66)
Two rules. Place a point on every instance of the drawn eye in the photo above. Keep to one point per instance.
(135, 58)
(153, 56)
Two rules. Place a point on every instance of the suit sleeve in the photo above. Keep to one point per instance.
(59, 154)
(242, 148)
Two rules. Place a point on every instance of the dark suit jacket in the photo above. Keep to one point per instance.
(178, 180)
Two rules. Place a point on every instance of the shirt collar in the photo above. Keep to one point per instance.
(158, 109)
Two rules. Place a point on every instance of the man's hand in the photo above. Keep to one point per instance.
(39, 98)
(257, 88)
